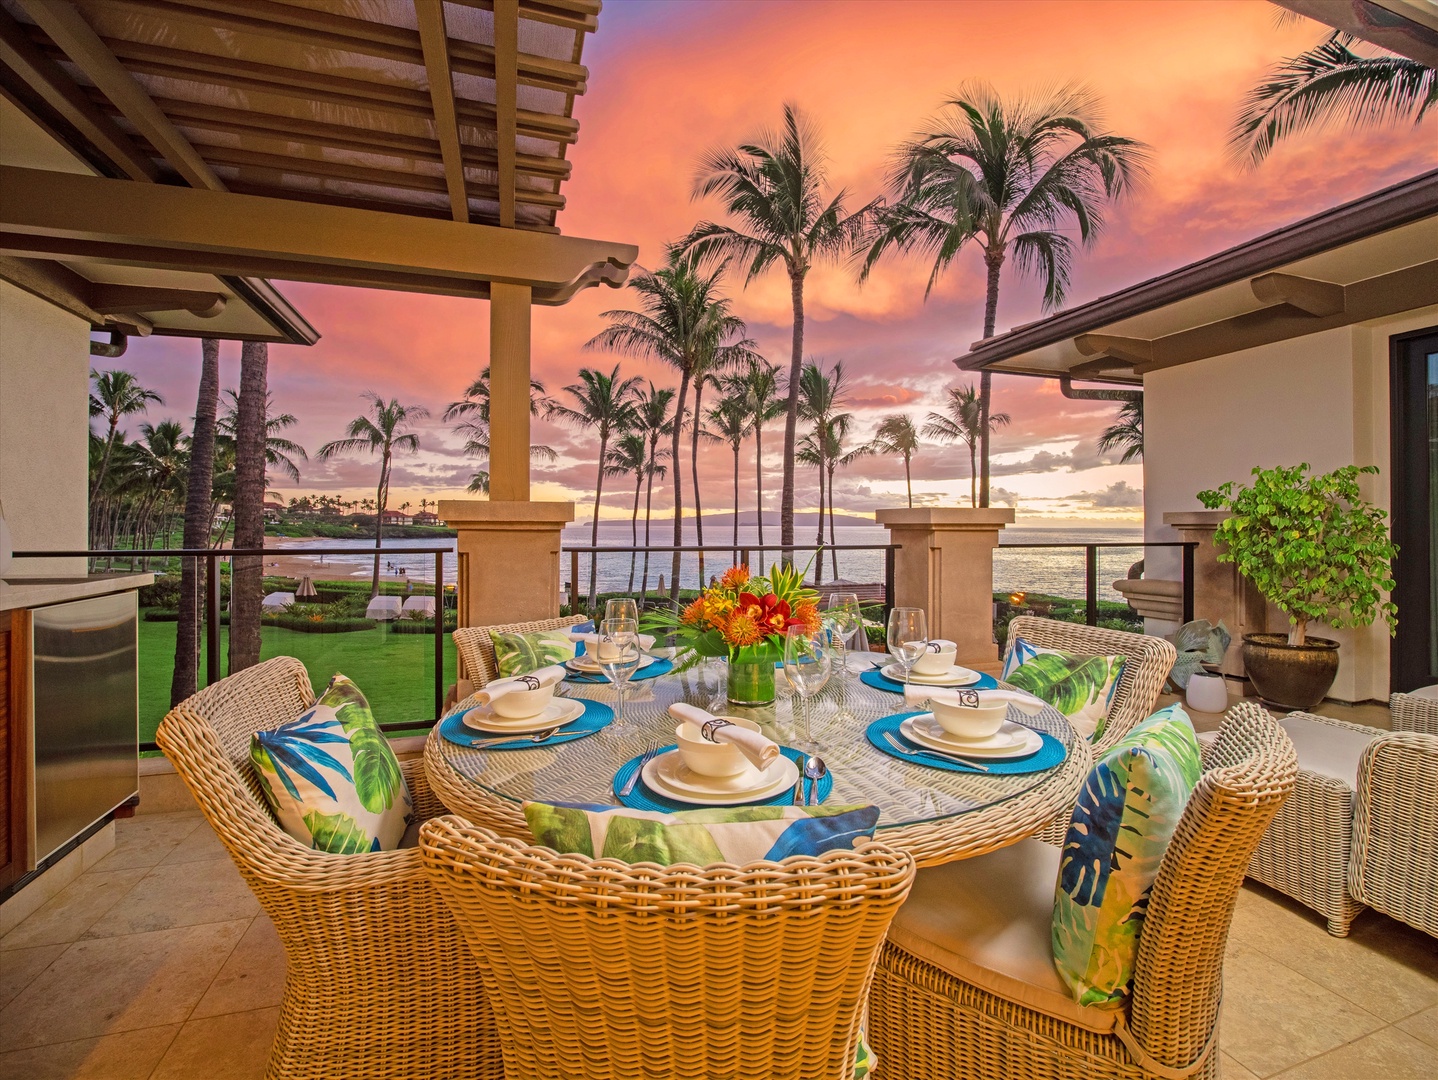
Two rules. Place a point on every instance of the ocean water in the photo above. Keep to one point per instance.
(1059, 572)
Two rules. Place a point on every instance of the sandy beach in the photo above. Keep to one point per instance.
(327, 568)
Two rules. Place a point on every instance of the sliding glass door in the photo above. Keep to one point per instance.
(1414, 414)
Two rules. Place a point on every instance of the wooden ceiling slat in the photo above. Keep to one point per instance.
(433, 36)
(582, 15)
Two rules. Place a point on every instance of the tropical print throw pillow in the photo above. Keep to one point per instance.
(331, 778)
(1080, 687)
(519, 654)
(732, 834)
(1125, 816)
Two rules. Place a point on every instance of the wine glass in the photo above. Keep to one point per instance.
(623, 608)
(908, 636)
(618, 654)
(843, 609)
(808, 663)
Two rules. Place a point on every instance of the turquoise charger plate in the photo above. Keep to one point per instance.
(645, 798)
(879, 681)
(653, 671)
(1051, 753)
(596, 715)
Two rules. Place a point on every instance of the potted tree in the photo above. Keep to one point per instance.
(1319, 551)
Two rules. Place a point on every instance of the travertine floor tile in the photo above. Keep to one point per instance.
(1385, 1055)
(131, 1055)
(231, 1047)
(103, 986)
(74, 909)
(19, 967)
(202, 845)
(182, 894)
(1383, 966)
(1422, 1025)
(145, 841)
(1229, 1069)
(252, 978)
(1274, 1018)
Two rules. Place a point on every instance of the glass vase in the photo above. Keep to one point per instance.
(751, 682)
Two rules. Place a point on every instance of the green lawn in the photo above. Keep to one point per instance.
(395, 671)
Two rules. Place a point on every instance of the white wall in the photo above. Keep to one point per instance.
(1323, 399)
(44, 420)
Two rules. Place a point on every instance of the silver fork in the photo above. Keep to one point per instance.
(644, 759)
(901, 748)
(538, 736)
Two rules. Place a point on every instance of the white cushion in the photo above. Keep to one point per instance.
(988, 922)
(1427, 693)
(1326, 749)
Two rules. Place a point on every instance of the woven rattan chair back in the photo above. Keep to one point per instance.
(475, 645)
(1178, 971)
(1147, 662)
(603, 969)
(1409, 712)
(378, 982)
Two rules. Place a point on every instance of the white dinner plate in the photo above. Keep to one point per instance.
(589, 667)
(669, 776)
(560, 711)
(956, 676)
(1010, 741)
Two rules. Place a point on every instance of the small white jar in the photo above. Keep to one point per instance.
(1207, 692)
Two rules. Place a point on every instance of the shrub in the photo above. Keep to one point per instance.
(317, 624)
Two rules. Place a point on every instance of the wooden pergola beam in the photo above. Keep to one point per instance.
(433, 39)
(506, 101)
(581, 15)
(1309, 295)
(68, 29)
(252, 236)
(1127, 349)
(131, 299)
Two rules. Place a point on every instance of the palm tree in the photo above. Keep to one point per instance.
(628, 456)
(248, 506)
(963, 420)
(384, 431)
(1330, 83)
(1016, 176)
(730, 423)
(1126, 432)
(762, 398)
(470, 416)
(653, 421)
(198, 521)
(605, 403)
(820, 395)
(774, 186)
(898, 434)
(117, 394)
(824, 448)
(684, 323)
(280, 452)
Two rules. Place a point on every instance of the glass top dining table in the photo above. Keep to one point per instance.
(935, 814)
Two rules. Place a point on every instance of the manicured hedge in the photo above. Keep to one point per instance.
(327, 626)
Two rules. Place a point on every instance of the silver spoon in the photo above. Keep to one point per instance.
(815, 770)
(538, 736)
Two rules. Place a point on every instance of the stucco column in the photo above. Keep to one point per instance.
(508, 558)
(945, 565)
(508, 392)
(1220, 592)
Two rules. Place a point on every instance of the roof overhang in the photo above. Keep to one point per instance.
(1406, 27)
(1367, 259)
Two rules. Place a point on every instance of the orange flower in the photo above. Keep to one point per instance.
(734, 577)
(806, 614)
(743, 629)
(695, 614)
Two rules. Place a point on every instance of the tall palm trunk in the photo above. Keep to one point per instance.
(247, 572)
(594, 528)
(908, 482)
(833, 555)
(381, 497)
(819, 540)
(994, 261)
(736, 504)
(694, 475)
(648, 513)
(791, 417)
(634, 528)
(674, 462)
(759, 481)
(973, 477)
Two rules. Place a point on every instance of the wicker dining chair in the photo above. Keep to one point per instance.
(966, 985)
(475, 645)
(1394, 865)
(378, 982)
(605, 970)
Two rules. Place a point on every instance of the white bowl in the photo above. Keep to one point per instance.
(937, 659)
(707, 758)
(522, 704)
(969, 723)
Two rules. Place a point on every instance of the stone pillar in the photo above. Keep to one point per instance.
(1220, 592)
(945, 565)
(508, 558)
(508, 392)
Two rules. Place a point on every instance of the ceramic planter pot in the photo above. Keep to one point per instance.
(1207, 692)
(1290, 676)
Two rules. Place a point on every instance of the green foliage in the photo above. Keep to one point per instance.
(376, 770)
(337, 834)
(1311, 544)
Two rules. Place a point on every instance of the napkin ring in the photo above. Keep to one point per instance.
(711, 726)
(969, 698)
(530, 682)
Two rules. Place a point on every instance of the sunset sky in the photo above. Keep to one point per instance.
(672, 78)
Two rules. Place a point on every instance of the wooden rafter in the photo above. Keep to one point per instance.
(433, 38)
(581, 15)
(68, 29)
(131, 299)
(506, 101)
(1309, 295)
(1128, 350)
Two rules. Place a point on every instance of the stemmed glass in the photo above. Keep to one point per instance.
(908, 636)
(808, 663)
(623, 608)
(618, 654)
(843, 610)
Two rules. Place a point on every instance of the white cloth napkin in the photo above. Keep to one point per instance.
(591, 643)
(759, 750)
(958, 697)
(535, 680)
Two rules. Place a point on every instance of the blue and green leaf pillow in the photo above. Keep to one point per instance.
(519, 654)
(1126, 814)
(731, 834)
(331, 778)
(1081, 687)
